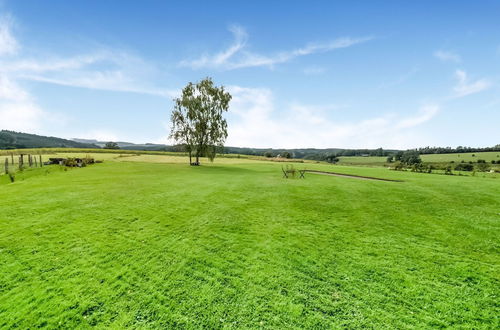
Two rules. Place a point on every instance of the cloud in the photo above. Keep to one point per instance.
(103, 69)
(314, 70)
(8, 44)
(236, 56)
(447, 56)
(425, 113)
(400, 80)
(17, 109)
(464, 87)
(256, 122)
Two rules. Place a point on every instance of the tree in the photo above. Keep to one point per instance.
(197, 120)
(331, 158)
(111, 145)
(390, 158)
(286, 154)
(410, 157)
(268, 154)
(6, 139)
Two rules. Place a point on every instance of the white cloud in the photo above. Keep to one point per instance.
(255, 122)
(447, 56)
(102, 69)
(8, 44)
(425, 113)
(314, 70)
(464, 87)
(236, 56)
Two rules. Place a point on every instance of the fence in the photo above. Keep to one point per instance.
(12, 163)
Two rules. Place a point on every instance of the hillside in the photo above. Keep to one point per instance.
(17, 140)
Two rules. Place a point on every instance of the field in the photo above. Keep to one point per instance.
(148, 241)
(432, 158)
(458, 157)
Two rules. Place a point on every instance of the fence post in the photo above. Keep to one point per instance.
(12, 158)
(36, 164)
(6, 165)
(41, 163)
(21, 161)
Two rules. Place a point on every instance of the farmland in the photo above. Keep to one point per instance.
(148, 241)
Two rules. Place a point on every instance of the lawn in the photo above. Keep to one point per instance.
(146, 241)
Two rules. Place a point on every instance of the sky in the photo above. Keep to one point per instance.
(316, 74)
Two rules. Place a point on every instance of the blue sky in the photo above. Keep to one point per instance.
(353, 74)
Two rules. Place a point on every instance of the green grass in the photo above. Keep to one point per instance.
(441, 158)
(151, 243)
(360, 160)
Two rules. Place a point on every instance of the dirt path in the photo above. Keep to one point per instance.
(351, 176)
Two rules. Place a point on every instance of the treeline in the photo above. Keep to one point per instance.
(17, 140)
(450, 150)
(310, 153)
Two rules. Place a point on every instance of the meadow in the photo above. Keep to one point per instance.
(147, 241)
(430, 158)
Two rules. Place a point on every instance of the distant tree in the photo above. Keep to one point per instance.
(111, 145)
(286, 154)
(398, 155)
(331, 158)
(389, 159)
(7, 140)
(410, 157)
(268, 154)
(197, 120)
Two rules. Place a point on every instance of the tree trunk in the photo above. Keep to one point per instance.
(190, 157)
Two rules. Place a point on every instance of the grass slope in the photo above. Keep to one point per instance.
(232, 244)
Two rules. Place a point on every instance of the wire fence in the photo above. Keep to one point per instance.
(13, 163)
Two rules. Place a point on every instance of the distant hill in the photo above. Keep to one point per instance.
(17, 140)
(129, 145)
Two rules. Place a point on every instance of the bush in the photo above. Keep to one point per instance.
(481, 161)
(268, 154)
(448, 171)
(483, 167)
(464, 167)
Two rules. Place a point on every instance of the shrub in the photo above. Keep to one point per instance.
(448, 171)
(464, 167)
(398, 166)
(483, 167)
(268, 154)
(481, 161)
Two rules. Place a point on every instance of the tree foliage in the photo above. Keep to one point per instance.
(197, 119)
(410, 157)
(111, 145)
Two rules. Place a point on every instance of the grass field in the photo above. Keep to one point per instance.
(433, 158)
(472, 156)
(152, 242)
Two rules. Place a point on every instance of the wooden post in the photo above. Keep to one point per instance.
(6, 165)
(21, 161)
(41, 164)
(36, 164)
(12, 158)
(30, 161)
